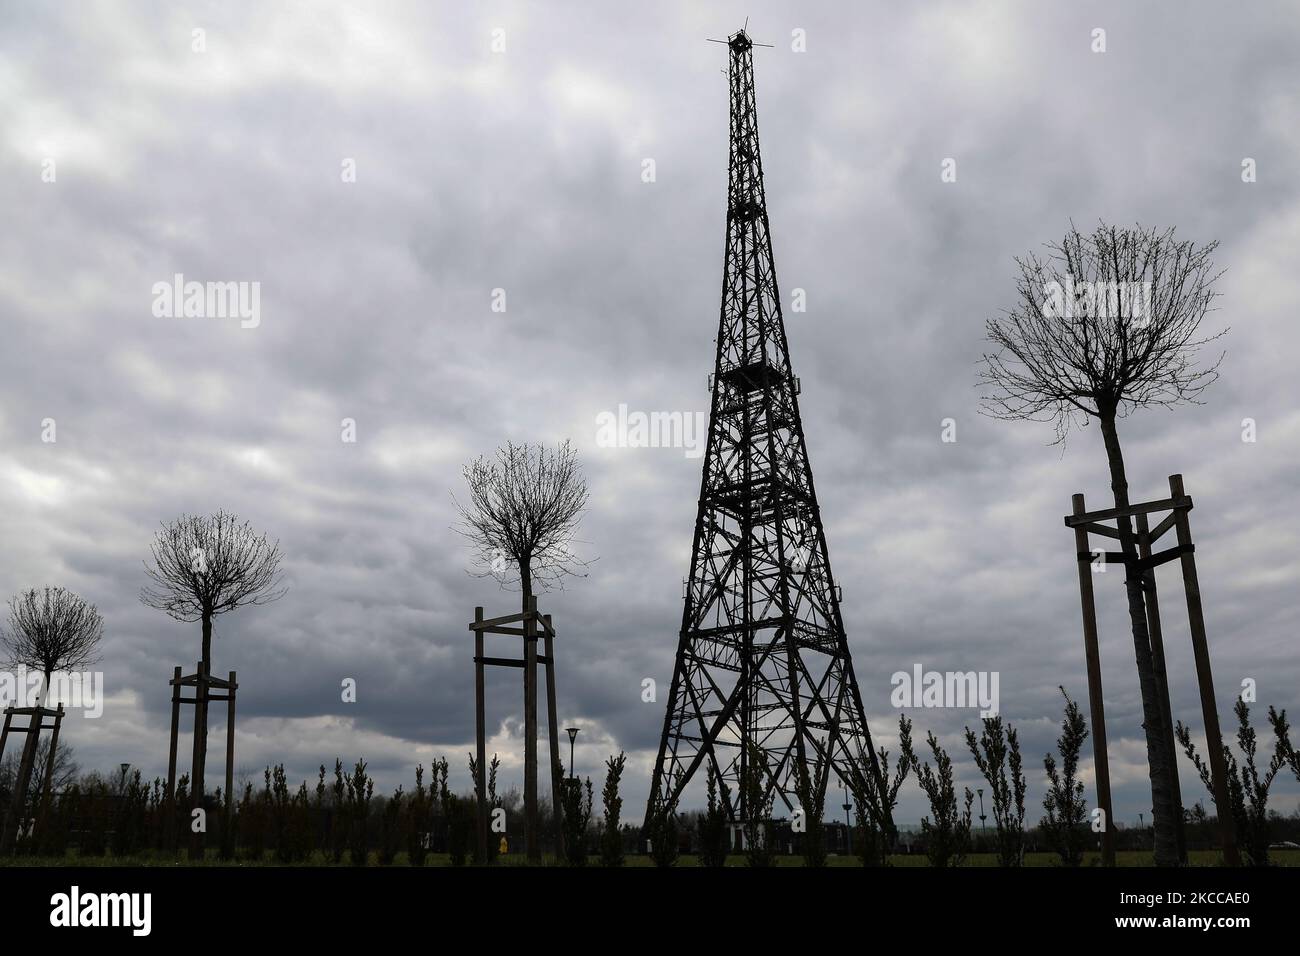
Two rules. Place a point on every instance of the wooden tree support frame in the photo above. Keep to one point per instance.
(1143, 561)
(203, 685)
(531, 621)
(36, 717)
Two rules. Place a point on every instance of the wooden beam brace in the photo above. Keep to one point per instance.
(495, 621)
(1142, 508)
(192, 680)
(488, 623)
(30, 711)
(1165, 524)
(1160, 557)
(1093, 528)
(499, 661)
(1107, 557)
(509, 661)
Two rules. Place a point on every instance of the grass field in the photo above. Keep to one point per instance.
(1125, 858)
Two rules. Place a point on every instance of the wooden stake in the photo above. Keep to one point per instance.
(48, 783)
(1204, 677)
(554, 731)
(170, 829)
(480, 738)
(531, 843)
(230, 756)
(1152, 602)
(4, 736)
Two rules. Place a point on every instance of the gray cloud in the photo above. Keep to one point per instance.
(522, 171)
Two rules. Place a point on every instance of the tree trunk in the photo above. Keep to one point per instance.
(200, 737)
(49, 762)
(531, 828)
(201, 708)
(1163, 815)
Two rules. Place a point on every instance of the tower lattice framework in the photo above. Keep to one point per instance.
(762, 655)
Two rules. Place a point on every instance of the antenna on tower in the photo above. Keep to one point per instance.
(742, 38)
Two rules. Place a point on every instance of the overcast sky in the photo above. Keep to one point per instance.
(522, 171)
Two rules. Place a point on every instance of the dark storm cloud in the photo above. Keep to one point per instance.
(522, 171)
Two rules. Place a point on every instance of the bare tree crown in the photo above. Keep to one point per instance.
(52, 629)
(524, 506)
(1106, 323)
(207, 565)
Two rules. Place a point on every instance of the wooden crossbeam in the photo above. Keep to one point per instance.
(1142, 564)
(1093, 528)
(499, 661)
(513, 631)
(192, 680)
(1146, 507)
(491, 622)
(493, 625)
(30, 711)
(1160, 557)
(29, 728)
(1107, 557)
(509, 661)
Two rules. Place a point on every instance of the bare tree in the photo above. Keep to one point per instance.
(523, 509)
(65, 772)
(48, 629)
(1106, 324)
(34, 804)
(202, 567)
(524, 506)
(51, 629)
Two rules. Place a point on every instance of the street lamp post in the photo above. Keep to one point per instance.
(573, 735)
(983, 829)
